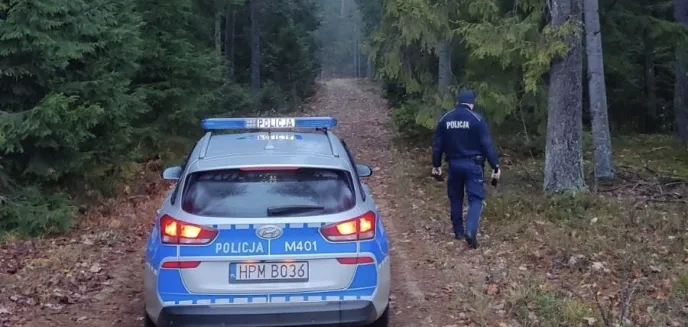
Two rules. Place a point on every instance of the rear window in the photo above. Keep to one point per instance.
(278, 193)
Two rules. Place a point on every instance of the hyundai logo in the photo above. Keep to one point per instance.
(269, 232)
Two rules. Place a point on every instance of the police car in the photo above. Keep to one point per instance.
(268, 225)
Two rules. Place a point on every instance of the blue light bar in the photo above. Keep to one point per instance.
(268, 123)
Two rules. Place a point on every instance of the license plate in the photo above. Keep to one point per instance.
(263, 272)
(275, 123)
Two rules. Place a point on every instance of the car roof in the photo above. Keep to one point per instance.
(314, 149)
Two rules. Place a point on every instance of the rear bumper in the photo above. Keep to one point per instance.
(347, 313)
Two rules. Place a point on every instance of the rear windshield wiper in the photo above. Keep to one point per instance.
(293, 209)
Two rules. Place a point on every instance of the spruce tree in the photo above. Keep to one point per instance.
(66, 103)
(180, 77)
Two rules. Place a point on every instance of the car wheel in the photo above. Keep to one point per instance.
(383, 321)
(147, 321)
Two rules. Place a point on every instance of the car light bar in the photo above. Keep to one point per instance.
(268, 123)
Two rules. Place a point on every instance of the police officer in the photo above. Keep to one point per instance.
(463, 137)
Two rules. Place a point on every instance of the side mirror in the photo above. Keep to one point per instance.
(364, 170)
(172, 173)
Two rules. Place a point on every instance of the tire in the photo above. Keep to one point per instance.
(383, 321)
(147, 321)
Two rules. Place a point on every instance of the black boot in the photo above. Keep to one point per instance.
(458, 233)
(472, 241)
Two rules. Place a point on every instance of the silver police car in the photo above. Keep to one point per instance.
(269, 224)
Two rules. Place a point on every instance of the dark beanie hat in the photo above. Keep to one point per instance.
(466, 96)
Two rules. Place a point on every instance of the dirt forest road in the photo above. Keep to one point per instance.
(93, 277)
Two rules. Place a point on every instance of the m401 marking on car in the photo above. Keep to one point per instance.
(301, 246)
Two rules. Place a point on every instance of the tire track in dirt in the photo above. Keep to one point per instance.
(364, 123)
(437, 281)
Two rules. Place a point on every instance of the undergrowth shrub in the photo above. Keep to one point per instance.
(569, 207)
(33, 213)
(405, 121)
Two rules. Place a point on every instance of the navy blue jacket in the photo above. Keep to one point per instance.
(460, 134)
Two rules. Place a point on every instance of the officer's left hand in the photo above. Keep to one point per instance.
(437, 171)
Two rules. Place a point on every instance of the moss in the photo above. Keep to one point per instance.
(657, 154)
(550, 308)
(680, 287)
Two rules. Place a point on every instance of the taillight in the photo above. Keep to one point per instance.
(359, 228)
(180, 264)
(173, 231)
(355, 260)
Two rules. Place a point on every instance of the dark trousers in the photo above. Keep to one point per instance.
(465, 174)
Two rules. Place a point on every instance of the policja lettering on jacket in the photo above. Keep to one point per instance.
(458, 124)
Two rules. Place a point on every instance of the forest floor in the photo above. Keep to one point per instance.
(563, 261)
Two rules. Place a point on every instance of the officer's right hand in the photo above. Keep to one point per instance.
(496, 173)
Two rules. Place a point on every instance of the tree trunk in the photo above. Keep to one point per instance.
(255, 46)
(604, 167)
(681, 90)
(230, 32)
(218, 32)
(564, 154)
(650, 84)
(444, 73)
(370, 70)
(406, 67)
(356, 63)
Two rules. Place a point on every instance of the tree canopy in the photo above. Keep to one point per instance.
(89, 89)
(503, 50)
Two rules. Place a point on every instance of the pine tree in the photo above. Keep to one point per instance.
(564, 150)
(597, 91)
(640, 38)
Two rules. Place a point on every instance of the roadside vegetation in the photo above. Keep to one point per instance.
(93, 91)
(598, 237)
(620, 254)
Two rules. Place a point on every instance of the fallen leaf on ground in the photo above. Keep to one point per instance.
(492, 289)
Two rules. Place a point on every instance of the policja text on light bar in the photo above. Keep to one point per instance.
(268, 123)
